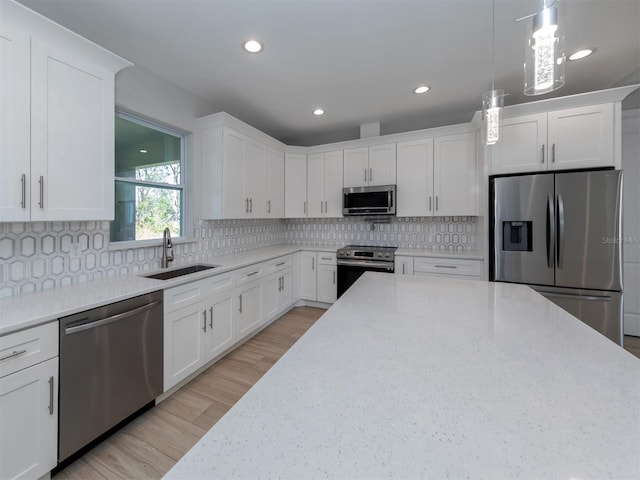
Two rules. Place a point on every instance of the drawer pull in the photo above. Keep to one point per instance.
(50, 395)
(327, 258)
(15, 353)
(446, 266)
(253, 273)
(280, 264)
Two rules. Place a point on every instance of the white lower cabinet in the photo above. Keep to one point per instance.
(327, 283)
(277, 293)
(318, 276)
(249, 311)
(448, 267)
(29, 402)
(219, 326)
(308, 276)
(403, 265)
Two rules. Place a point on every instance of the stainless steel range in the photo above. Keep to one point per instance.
(354, 260)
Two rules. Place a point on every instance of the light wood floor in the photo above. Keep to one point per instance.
(632, 344)
(150, 445)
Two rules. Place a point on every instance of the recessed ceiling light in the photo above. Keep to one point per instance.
(143, 151)
(422, 89)
(318, 111)
(585, 52)
(252, 46)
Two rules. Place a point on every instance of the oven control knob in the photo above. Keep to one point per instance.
(379, 255)
(387, 255)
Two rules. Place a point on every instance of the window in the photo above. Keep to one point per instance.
(149, 188)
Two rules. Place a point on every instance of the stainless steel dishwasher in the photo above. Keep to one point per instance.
(110, 367)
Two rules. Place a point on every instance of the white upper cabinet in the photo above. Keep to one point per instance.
(295, 185)
(374, 165)
(437, 176)
(274, 187)
(324, 184)
(581, 137)
(57, 135)
(455, 187)
(242, 177)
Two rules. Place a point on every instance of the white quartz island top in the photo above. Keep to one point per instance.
(414, 377)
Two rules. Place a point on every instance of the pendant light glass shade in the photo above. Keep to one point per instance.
(544, 57)
(492, 107)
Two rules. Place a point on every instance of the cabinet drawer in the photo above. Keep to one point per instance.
(326, 258)
(26, 348)
(184, 295)
(250, 273)
(218, 283)
(278, 264)
(441, 266)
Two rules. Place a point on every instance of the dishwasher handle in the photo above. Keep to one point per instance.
(106, 321)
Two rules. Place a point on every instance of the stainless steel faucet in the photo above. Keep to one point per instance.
(167, 249)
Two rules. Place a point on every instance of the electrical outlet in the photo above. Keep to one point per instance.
(75, 250)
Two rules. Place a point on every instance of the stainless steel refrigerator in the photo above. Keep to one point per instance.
(560, 234)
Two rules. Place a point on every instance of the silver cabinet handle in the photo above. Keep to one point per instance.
(313, 263)
(251, 205)
(246, 205)
(436, 203)
(321, 206)
(305, 207)
(204, 320)
(371, 174)
(23, 180)
(269, 206)
(51, 395)
(404, 268)
(334, 277)
(327, 258)
(553, 153)
(365, 175)
(253, 273)
(240, 297)
(542, 153)
(15, 353)
(326, 206)
(446, 266)
(429, 202)
(280, 264)
(41, 182)
(211, 318)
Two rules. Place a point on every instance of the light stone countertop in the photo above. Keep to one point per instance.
(32, 309)
(416, 377)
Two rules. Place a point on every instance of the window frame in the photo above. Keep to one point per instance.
(181, 187)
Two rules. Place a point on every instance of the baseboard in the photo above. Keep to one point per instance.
(632, 324)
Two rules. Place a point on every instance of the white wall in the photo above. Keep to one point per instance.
(631, 219)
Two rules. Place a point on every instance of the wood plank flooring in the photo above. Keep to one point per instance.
(632, 345)
(149, 446)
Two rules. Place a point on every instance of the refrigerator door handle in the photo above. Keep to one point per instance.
(551, 230)
(560, 238)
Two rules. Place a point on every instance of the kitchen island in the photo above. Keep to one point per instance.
(414, 377)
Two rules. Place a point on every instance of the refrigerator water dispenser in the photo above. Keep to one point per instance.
(516, 236)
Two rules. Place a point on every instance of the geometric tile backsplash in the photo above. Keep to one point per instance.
(37, 256)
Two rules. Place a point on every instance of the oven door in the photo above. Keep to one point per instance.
(350, 270)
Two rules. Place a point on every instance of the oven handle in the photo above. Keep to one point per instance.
(364, 263)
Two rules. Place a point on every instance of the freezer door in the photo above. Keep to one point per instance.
(523, 245)
(588, 249)
(600, 310)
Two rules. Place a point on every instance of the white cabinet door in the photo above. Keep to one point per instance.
(308, 281)
(454, 175)
(219, 325)
(415, 178)
(235, 199)
(274, 206)
(581, 137)
(15, 162)
(29, 421)
(184, 342)
(333, 174)
(327, 283)
(356, 167)
(522, 147)
(295, 185)
(270, 293)
(285, 295)
(254, 178)
(249, 309)
(403, 265)
(382, 164)
(315, 185)
(72, 131)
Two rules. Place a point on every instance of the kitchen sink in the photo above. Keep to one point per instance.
(198, 267)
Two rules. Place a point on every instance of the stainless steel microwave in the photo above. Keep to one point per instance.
(377, 200)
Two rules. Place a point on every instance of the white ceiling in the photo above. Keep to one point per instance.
(358, 59)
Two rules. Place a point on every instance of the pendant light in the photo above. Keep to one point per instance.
(544, 57)
(493, 100)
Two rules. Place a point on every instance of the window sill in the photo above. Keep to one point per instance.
(156, 242)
